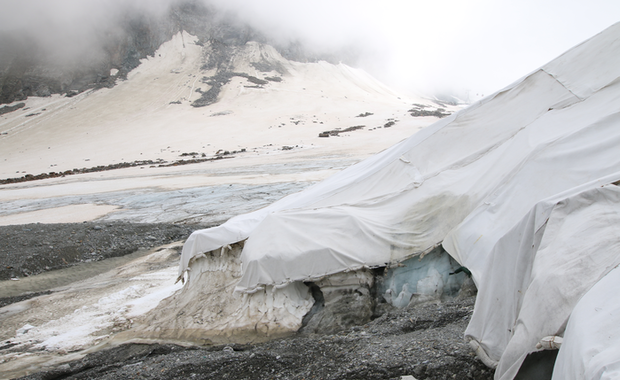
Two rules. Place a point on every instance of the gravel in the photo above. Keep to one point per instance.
(425, 341)
(30, 249)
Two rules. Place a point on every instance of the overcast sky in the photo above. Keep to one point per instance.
(453, 46)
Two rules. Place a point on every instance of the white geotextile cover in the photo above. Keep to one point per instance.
(594, 331)
(466, 181)
(539, 269)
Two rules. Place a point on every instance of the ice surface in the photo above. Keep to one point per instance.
(208, 205)
(421, 279)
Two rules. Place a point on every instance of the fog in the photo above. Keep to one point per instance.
(467, 48)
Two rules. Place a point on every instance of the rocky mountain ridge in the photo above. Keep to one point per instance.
(28, 69)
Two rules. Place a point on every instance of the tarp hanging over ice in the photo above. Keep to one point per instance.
(490, 182)
(539, 269)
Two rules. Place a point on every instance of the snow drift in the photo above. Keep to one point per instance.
(521, 188)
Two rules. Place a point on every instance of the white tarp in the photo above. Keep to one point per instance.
(539, 269)
(468, 181)
(594, 331)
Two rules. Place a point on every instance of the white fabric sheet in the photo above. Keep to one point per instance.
(502, 184)
(538, 271)
(592, 337)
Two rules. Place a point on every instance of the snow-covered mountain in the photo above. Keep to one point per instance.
(189, 83)
(195, 100)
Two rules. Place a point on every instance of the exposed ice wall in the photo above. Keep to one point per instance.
(420, 279)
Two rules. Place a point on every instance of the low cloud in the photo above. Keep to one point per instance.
(468, 48)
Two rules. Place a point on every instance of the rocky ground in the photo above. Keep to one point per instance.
(30, 249)
(425, 341)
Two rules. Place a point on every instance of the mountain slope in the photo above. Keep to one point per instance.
(263, 102)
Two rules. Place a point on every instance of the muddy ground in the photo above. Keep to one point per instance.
(425, 341)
